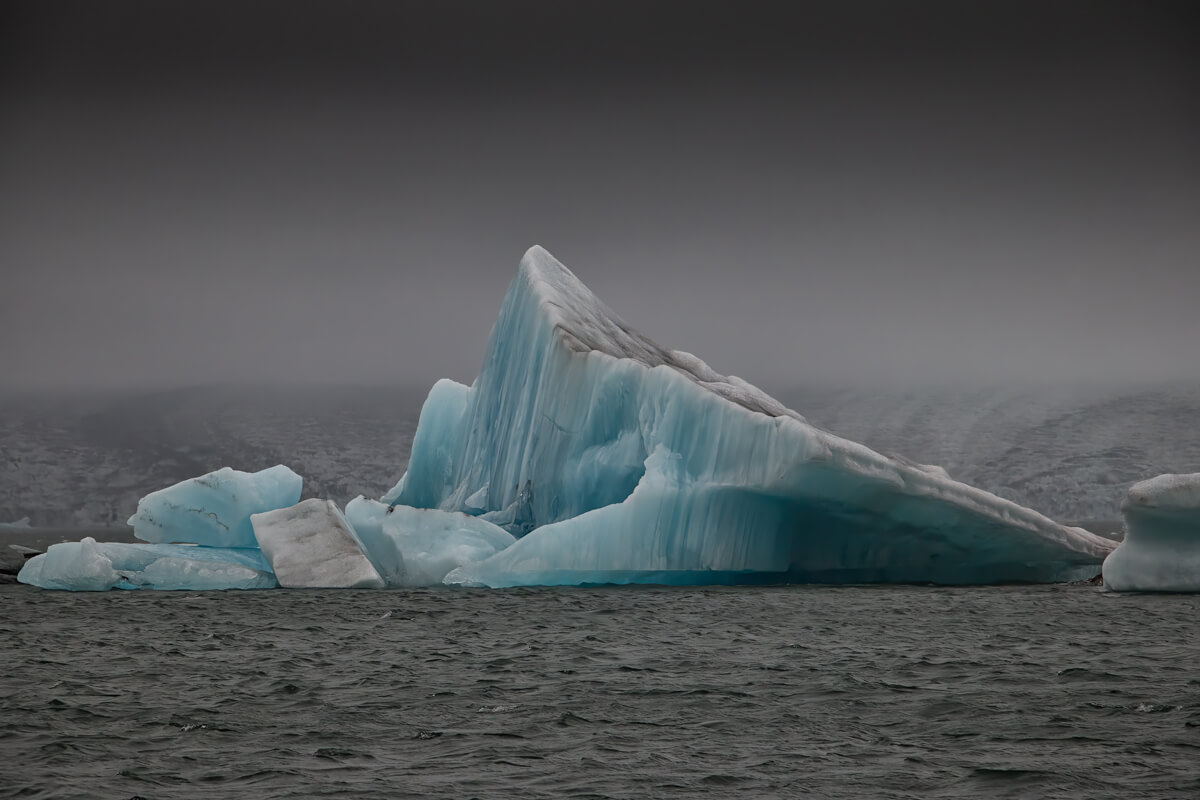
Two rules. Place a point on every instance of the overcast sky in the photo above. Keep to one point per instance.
(860, 191)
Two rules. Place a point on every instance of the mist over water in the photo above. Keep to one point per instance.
(72, 460)
(84, 459)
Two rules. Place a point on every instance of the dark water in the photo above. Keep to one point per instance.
(615, 692)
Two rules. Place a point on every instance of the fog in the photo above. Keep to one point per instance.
(854, 193)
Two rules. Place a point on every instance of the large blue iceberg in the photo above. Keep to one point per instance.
(615, 460)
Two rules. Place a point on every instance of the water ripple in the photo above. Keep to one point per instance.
(897, 692)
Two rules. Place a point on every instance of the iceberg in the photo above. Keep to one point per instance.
(94, 566)
(414, 547)
(311, 546)
(1161, 550)
(214, 510)
(612, 459)
(585, 453)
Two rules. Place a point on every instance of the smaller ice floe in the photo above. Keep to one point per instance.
(91, 566)
(311, 546)
(421, 546)
(214, 510)
(1161, 551)
(21, 524)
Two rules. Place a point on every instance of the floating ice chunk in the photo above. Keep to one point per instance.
(78, 566)
(214, 509)
(418, 546)
(619, 460)
(517, 517)
(1161, 550)
(435, 542)
(311, 546)
(21, 524)
(477, 502)
(89, 565)
(366, 518)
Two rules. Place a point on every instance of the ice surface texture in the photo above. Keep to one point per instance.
(97, 566)
(419, 546)
(1161, 550)
(214, 509)
(617, 460)
(311, 546)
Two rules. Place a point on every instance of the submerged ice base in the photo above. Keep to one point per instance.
(616, 460)
(1161, 550)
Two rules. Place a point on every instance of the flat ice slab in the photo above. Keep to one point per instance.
(91, 566)
(311, 546)
(214, 509)
(1161, 550)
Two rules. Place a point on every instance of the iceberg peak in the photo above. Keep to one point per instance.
(584, 324)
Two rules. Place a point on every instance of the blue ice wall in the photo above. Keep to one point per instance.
(617, 460)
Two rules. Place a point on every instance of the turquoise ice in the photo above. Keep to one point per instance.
(586, 453)
(419, 546)
(1161, 550)
(617, 460)
(89, 565)
(214, 509)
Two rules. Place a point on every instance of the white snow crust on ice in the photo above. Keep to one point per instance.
(214, 510)
(419, 546)
(89, 565)
(1161, 550)
(311, 546)
(617, 460)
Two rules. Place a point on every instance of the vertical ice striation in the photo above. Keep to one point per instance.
(617, 460)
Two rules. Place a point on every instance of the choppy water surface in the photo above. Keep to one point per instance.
(612, 692)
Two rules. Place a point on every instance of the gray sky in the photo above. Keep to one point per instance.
(944, 192)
